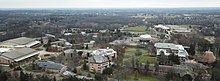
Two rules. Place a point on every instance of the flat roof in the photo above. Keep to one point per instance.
(18, 53)
(48, 64)
(21, 40)
(98, 59)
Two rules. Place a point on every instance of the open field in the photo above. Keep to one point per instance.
(142, 58)
(143, 78)
(136, 29)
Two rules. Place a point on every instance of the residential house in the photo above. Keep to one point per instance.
(50, 66)
(98, 63)
(17, 55)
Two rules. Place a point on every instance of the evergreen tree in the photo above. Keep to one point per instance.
(3, 75)
(85, 67)
(87, 46)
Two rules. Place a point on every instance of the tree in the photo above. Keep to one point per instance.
(87, 46)
(75, 70)
(156, 65)
(3, 75)
(203, 45)
(108, 70)
(171, 76)
(146, 67)
(85, 67)
(136, 75)
(174, 58)
(138, 52)
(215, 74)
(99, 77)
(192, 49)
(162, 58)
(54, 79)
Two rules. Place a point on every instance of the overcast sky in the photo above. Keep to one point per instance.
(107, 3)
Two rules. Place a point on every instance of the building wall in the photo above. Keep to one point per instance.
(5, 61)
(98, 68)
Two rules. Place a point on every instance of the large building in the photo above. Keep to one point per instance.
(20, 43)
(50, 66)
(110, 53)
(17, 55)
(98, 63)
(169, 48)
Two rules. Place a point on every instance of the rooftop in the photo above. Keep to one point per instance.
(208, 57)
(21, 40)
(48, 64)
(98, 59)
(18, 53)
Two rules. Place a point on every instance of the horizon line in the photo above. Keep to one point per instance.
(105, 7)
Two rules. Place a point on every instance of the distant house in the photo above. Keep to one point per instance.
(20, 43)
(170, 48)
(50, 66)
(17, 55)
(98, 63)
(90, 44)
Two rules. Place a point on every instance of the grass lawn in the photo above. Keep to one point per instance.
(131, 51)
(143, 78)
(136, 29)
(143, 58)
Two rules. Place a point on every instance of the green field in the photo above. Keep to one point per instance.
(143, 78)
(143, 58)
(131, 51)
(137, 29)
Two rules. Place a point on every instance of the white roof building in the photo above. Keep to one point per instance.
(19, 42)
(169, 48)
(162, 27)
(105, 52)
(18, 55)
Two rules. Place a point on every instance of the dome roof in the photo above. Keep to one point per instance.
(146, 36)
(208, 57)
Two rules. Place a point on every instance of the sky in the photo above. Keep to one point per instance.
(107, 3)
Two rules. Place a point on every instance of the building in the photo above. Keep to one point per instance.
(54, 48)
(4, 50)
(98, 63)
(20, 43)
(17, 55)
(110, 53)
(178, 29)
(90, 44)
(170, 48)
(208, 57)
(145, 39)
(50, 66)
(162, 28)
